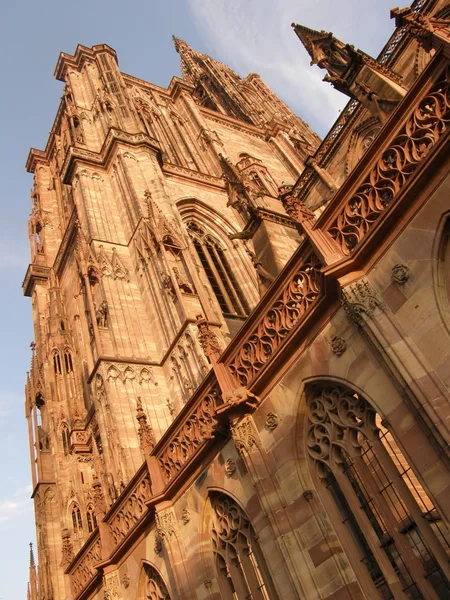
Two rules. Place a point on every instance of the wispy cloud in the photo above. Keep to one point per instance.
(16, 505)
(13, 253)
(256, 36)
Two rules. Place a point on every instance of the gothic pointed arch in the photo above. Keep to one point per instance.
(152, 585)
(65, 438)
(240, 565)
(76, 518)
(226, 266)
(388, 526)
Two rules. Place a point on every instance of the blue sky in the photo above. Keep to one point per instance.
(249, 35)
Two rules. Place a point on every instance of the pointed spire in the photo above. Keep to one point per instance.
(32, 584)
(179, 44)
(309, 36)
(32, 563)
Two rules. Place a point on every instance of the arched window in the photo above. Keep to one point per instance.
(68, 361)
(154, 586)
(65, 436)
(217, 268)
(57, 363)
(386, 516)
(90, 518)
(241, 568)
(77, 522)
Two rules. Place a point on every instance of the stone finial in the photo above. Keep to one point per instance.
(145, 432)
(208, 339)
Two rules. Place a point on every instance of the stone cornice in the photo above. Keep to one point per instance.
(35, 274)
(114, 137)
(194, 176)
(217, 117)
(82, 53)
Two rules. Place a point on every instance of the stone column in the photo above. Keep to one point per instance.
(298, 581)
(421, 423)
(322, 173)
(168, 532)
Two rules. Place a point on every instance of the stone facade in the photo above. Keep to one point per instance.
(240, 377)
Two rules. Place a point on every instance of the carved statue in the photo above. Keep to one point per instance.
(168, 285)
(101, 314)
(183, 284)
(42, 439)
(332, 54)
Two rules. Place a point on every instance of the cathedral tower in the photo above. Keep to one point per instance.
(134, 202)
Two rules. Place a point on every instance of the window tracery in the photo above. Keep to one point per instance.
(241, 569)
(218, 271)
(154, 586)
(90, 518)
(68, 361)
(65, 436)
(393, 524)
(57, 363)
(77, 522)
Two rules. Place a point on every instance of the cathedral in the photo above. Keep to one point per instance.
(240, 379)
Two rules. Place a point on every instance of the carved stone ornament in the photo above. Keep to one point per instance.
(245, 435)
(111, 586)
(400, 274)
(240, 395)
(126, 580)
(166, 524)
(99, 498)
(308, 495)
(158, 544)
(145, 432)
(230, 467)
(208, 339)
(359, 299)
(67, 548)
(185, 516)
(272, 421)
(338, 345)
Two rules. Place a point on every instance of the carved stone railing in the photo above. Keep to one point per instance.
(82, 569)
(130, 508)
(403, 152)
(297, 295)
(198, 425)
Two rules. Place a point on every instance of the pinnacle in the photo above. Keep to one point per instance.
(32, 564)
(179, 44)
(308, 36)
